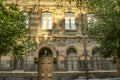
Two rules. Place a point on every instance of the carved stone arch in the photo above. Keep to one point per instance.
(69, 48)
(45, 51)
(45, 45)
(93, 47)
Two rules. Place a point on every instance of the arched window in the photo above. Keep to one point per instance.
(99, 62)
(96, 52)
(96, 59)
(72, 60)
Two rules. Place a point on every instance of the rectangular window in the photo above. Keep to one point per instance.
(27, 19)
(70, 21)
(46, 21)
(91, 20)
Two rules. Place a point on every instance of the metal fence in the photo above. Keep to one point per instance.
(94, 64)
(60, 65)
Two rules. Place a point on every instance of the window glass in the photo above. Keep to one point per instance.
(27, 19)
(69, 21)
(91, 20)
(46, 21)
(72, 60)
(72, 23)
(49, 22)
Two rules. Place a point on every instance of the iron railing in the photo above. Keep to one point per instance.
(64, 65)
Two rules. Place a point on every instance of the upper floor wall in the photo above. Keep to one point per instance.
(52, 17)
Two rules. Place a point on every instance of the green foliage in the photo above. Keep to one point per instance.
(81, 4)
(13, 30)
(107, 30)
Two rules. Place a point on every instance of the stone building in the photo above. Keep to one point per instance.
(56, 26)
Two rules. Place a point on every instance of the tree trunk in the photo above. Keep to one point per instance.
(118, 65)
(0, 61)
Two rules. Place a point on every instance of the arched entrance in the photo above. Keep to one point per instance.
(45, 69)
(72, 60)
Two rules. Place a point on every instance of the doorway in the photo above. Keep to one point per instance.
(45, 70)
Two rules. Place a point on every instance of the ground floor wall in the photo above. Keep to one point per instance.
(60, 65)
(57, 76)
(67, 56)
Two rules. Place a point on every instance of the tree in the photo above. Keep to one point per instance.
(107, 28)
(81, 4)
(13, 30)
(14, 34)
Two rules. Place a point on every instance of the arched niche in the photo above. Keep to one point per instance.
(45, 51)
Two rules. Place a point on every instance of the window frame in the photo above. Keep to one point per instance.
(91, 20)
(70, 21)
(46, 21)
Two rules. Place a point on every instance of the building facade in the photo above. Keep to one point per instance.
(56, 26)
